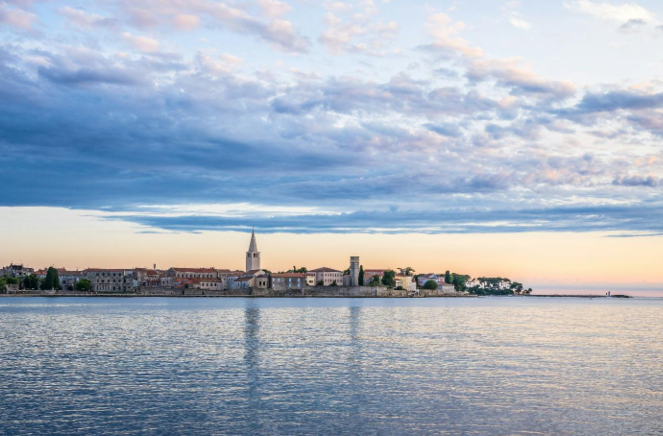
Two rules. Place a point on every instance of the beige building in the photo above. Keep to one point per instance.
(406, 282)
(327, 276)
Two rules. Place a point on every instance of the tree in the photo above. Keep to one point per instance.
(460, 282)
(447, 277)
(430, 284)
(31, 282)
(375, 281)
(301, 270)
(52, 281)
(516, 287)
(3, 284)
(389, 278)
(83, 285)
(361, 275)
(321, 283)
(407, 271)
(346, 272)
(333, 283)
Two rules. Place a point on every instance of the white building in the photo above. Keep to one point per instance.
(327, 276)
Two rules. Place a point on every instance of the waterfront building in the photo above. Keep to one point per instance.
(16, 270)
(354, 270)
(439, 279)
(208, 284)
(68, 279)
(406, 282)
(327, 276)
(370, 273)
(257, 278)
(281, 282)
(193, 273)
(110, 280)
(253, 255)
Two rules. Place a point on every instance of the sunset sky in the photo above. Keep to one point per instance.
(511, 138)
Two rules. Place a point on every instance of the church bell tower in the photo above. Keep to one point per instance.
(253, 255)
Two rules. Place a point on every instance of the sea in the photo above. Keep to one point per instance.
(237, 366)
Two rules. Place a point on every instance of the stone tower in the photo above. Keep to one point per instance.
(354, 270)
(253, 255)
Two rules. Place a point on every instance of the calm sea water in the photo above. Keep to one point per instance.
(491, 366)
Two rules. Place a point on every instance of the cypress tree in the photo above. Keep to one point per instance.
(447, 277)
(52, 281)
(361, 275)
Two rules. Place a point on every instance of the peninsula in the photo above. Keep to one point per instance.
(254, 281)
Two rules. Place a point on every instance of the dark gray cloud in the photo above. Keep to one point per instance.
(561, 219)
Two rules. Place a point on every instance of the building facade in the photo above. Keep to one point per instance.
(327, 276)
(354, 270)
(110, 280)
(282, 282)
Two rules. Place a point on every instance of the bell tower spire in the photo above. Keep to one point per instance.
(253, 255)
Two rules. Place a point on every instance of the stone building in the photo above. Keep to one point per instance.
(354, 270)
(253, 255)
(193, 273)
(281, 282)
(210, 284)
(16, 270)
(110, 280)
(328, 276)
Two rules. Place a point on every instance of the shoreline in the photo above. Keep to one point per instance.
(287, 295)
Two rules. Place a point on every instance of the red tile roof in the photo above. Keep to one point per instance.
(290, 276)
(195, 270)
(324, 269)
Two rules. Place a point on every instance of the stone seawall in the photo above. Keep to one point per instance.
(317, 291)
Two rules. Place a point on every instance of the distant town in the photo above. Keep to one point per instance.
(254, 281)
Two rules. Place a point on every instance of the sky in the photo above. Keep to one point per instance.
(511, 138)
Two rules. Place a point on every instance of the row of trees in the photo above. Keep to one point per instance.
(498, 286)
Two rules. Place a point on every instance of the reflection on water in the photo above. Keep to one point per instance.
(494, 366)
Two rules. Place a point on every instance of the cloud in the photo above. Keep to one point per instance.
(511, 74)
(85, 19)
(444, 32)
(17, 18)
(186, 21)
(606, 11)
(273, 8)
(444, 139)
(633, 25)
(518, 22)
(281, 33)
(648, 181)
(432, 221)
(358, 33)
(142, 43)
